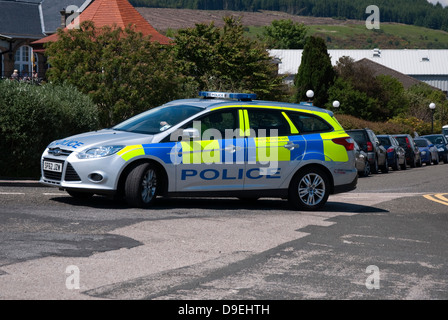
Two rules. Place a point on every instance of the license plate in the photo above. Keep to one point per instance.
(52, 166)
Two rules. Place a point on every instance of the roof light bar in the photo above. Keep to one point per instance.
(228, 95)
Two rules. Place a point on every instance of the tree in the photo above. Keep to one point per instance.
(315, 72)
(224, 59)
(285, 34)
(123, 72)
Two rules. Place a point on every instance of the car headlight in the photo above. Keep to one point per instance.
(423, 153)
(440, 149)
(99, 152)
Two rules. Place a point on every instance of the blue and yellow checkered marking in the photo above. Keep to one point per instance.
(308, 147)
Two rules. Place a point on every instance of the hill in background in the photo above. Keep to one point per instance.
(338, 33)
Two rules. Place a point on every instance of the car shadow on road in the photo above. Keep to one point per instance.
(224, 204)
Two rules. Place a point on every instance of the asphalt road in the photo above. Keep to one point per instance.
(386, 240)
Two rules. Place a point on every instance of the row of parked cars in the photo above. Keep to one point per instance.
(375, 153)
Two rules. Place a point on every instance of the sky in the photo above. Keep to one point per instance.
(442, 2)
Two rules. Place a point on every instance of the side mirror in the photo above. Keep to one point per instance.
(190, 133)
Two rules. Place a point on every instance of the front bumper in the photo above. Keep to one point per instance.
(97, 175)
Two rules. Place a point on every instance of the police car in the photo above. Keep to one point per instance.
(220, 144)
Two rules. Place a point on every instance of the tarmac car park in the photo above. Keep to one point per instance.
(220, 144)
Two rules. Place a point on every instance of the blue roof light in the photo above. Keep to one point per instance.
(228, 95)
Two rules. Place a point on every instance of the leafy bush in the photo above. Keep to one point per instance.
(32, 116)
(390, 127)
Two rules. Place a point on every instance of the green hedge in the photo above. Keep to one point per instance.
(32, 116)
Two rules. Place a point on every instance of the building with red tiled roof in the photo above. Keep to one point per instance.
(22, 40)
(119, 13)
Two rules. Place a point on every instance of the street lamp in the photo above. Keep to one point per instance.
(336, 104)
(432, 107)
(310, 95)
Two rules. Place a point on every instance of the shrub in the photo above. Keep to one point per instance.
(32, 116)
(389, 127)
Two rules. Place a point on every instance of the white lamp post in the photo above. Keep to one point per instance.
(310, 95)
(432, 107)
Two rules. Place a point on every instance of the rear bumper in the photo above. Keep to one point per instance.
(346, 187)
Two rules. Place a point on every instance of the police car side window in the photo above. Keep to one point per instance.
(264, 122)
(306, 123)
(218, 121)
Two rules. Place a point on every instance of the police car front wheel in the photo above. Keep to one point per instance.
(309, 190)
(141, 186)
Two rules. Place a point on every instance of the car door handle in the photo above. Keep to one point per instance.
(291, 145)
(232, 149)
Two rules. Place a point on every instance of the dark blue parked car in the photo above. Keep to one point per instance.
(441, 143)
(428, 151)
(396, 156)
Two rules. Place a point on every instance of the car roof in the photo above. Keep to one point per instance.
(207, 103)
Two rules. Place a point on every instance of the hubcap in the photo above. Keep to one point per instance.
(149, 186)
(311, 189)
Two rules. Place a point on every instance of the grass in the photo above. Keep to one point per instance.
(389, 36)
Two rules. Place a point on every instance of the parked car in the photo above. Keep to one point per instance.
(441, 143)
(413, 157)
(396, 156)
(376, 153)
(361, 162)
(428, 151)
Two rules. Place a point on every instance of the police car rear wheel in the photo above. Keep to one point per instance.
(309, 190)
(141, 186)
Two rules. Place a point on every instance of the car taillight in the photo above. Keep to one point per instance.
(390, 150)
(369, 146)
(347, 142)
(408, 143)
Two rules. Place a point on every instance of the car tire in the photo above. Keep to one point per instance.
(436, 160)
(413, 163)
(309, 189)
(445, 159)
(366, 171)
(141, 186)
(419, 162)
(385, 167)
(374, 168)
(404, 166)
(396, 165)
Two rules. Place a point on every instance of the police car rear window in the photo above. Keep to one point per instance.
(158, 119)
(309, 124)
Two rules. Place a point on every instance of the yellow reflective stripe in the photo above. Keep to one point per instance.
(197, 152)
(246, 124)
(130, 152)
(242, 128)
(333, 151)
(272, 149)
(291, 125)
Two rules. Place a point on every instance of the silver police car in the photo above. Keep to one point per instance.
(220, 144)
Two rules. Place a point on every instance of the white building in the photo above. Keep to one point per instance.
(429, 66)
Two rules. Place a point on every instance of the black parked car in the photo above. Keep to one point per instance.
(413, 157)
(441, 143)
(369, 143)
(396, 156)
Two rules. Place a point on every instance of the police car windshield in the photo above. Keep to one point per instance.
(158, 119)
